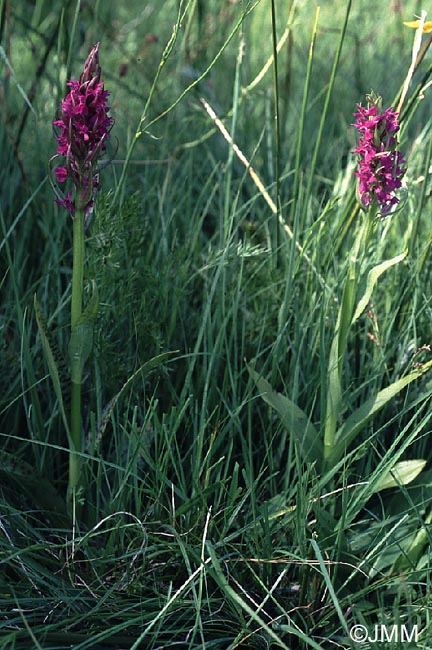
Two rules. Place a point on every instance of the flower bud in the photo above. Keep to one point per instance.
(92, 68)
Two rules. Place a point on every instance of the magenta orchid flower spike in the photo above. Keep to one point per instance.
(83, 127)
(380, 166)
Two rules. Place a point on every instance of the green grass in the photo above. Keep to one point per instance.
(203, 525)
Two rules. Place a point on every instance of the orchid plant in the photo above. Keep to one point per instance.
(82, 128)
(381, 167)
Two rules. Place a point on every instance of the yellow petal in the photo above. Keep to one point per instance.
(427, 27)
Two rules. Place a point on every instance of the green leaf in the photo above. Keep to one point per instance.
(346, 318)
(401, 473)
(329, 582)
(54, 360)
(334, 396)
(81, 340)
(142, 371)
(293, 418)
(358, 420)
(371, 281)
(345, 313)
(419, 494)
(253, 613)
(411, 556)
(337, 352)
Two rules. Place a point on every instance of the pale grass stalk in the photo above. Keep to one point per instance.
(415, 52)
(268, 64)
(262, 190)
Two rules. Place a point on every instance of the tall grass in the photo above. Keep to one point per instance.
(205, 523)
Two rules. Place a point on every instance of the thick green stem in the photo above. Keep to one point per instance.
(343, 327)
(78, 267)
(74, 459)
(76, 312)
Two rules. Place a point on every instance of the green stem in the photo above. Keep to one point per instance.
(74, 458)
(78, 267)
(277, 125)
(343, 327)
(76, 311)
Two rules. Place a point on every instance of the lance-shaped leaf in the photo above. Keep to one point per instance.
(54, 360)
(346, 317)
(414, 552)
(337, 352)
(293, 418)
(371, 281)
(401, 473)
(81, 340)
(358, 420)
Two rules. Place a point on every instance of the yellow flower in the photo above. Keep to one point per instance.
(427, 27)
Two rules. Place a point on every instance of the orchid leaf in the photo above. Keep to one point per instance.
(54, 360)
(81, 340)
(293, 418)
(358, 420)
(371, 281)
(410, 557)
(334, 396)
(338, 348)
(401, 473)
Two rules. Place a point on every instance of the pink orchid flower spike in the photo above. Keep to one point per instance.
(82, 128)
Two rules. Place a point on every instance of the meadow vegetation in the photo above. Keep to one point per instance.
(255, 418)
